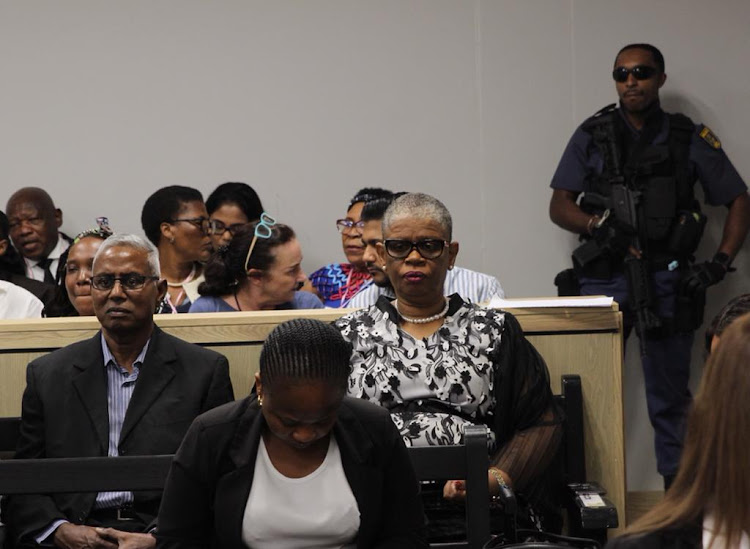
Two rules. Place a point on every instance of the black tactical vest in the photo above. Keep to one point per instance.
(660, 172)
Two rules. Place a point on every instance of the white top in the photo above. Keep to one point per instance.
(472, 286)
(17, 302)
(317, 511)
(33, 270)
(720, 542)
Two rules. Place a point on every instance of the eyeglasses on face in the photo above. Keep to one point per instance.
(346, 225)
(639, 72)
(428, 248)
(202, 223)
(218, 228)
(129, 281)
(263, 229)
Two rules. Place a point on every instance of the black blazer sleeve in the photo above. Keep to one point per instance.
(27, 515)
(186, 514)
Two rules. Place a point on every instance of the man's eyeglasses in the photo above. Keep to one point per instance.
(346, 225)
(428, 248)
(219, 227)
(263, 229)
(129, 281)
(639, 72)
(202, 223)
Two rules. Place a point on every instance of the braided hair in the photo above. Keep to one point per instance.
(304, 349)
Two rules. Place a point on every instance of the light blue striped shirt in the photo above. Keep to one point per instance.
(120, 386)
(472, 286)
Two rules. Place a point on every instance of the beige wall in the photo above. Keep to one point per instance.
(307, 100)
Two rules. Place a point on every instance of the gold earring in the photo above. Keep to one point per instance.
(260, 400)
(384, 266)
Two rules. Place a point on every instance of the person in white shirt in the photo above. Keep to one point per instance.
(295, 464)
(15, 302)
(34, 229)
(707, 504)
(473, 286)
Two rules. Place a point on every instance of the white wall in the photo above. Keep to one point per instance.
(470, 100)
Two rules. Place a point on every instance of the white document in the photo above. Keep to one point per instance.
(544, 302)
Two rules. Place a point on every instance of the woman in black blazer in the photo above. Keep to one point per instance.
(296, 464)
(708, 505)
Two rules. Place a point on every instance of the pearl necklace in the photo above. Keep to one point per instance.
(425, 320)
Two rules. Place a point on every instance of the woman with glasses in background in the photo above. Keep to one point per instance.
(261, 269)
(439, 363)
(231, 206)
(337, 283)
(175, 220)
(73, 287)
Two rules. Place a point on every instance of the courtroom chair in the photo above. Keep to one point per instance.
(467, 461)
(589, 513)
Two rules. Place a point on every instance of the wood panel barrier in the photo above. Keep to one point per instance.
(580, 340)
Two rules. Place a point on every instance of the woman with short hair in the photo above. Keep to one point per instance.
(176, 222)
(439, 363)
(261, 269)
(295, 464)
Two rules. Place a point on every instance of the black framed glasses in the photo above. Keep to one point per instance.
(428, 248)
(263, 229)
(639, 72)
(202, 223)
(128, 281)
(346, 225)
(218, 228)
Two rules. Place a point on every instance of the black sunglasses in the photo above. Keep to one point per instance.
(428, 248)
(129, 281)
(639, 72)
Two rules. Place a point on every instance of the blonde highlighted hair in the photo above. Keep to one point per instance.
(713, 475)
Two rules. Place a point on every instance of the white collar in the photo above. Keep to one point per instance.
(56, 252)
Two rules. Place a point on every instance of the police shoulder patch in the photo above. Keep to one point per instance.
(709, 137)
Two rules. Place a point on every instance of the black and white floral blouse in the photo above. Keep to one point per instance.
(433, 386)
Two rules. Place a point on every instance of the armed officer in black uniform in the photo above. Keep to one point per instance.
(634, 169)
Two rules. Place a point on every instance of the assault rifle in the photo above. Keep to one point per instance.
(627, 208)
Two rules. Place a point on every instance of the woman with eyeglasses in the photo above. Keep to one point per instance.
(295, 464)
(261, 269)
(338, 283)
(231, 206)
(73, 287)
(439, 363)
(175, 220)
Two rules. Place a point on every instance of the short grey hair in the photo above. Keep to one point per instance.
(419, 206)
(137, 243)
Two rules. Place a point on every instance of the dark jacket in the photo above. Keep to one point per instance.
(64, 414)
(210, 480)
(689, 537)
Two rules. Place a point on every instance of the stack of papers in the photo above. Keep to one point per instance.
(540, 302)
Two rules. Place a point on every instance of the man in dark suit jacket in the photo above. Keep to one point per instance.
(130, 390)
